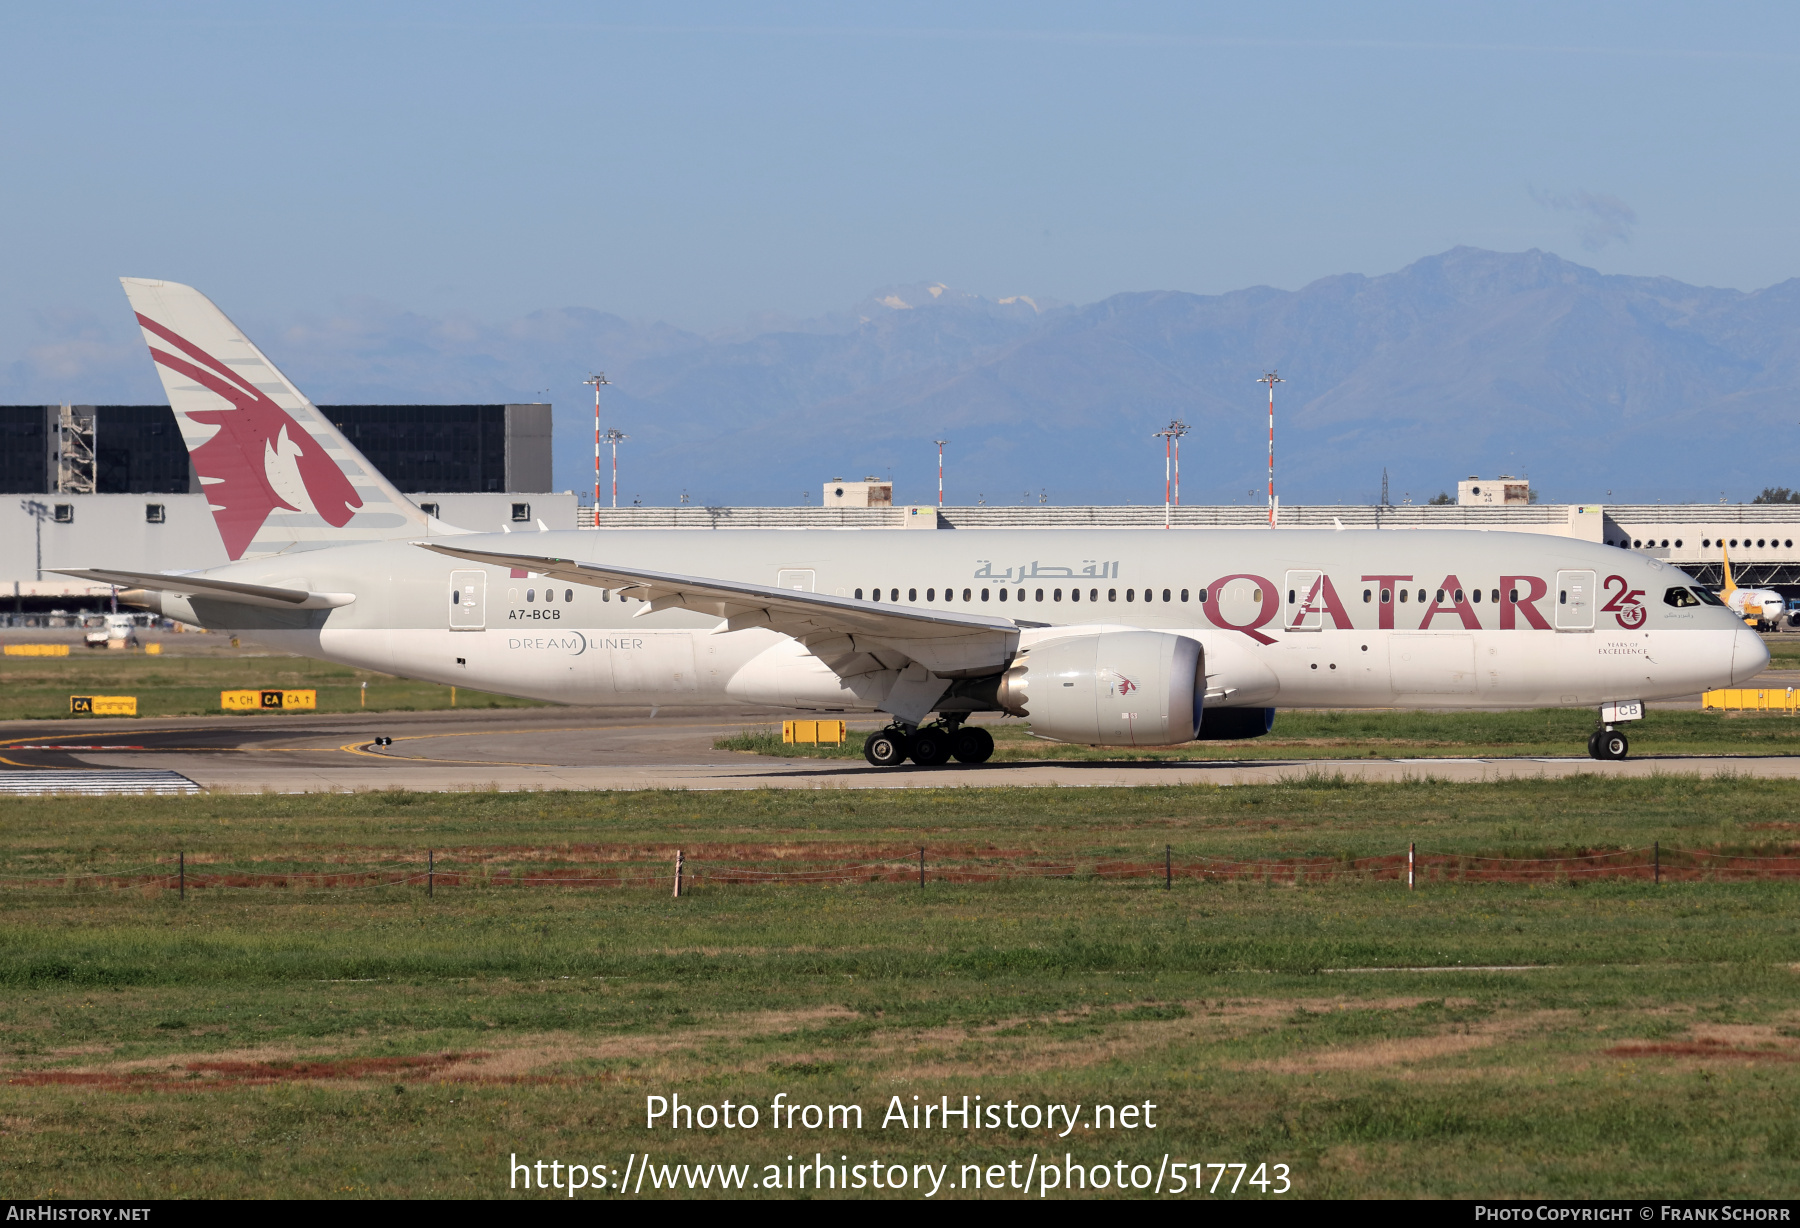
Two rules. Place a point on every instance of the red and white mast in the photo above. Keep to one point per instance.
(599, 380)
(1171, 437)
(940, 447)
(1271, 379)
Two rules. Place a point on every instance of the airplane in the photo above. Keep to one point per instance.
(1108, 637)
(1761, 608)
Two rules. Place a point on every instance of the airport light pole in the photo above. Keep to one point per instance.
(1271, 379)
(599, 380)
(940, 447)
(1171, 437)
(613, 436)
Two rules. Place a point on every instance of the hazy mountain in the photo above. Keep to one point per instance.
(1465, 362)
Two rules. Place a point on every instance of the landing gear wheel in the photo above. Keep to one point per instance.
(931, 746)
(886, 748)
(1594, 744)
(1614, 745)
(972, 744)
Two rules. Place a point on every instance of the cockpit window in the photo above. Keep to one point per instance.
(1680, 598)
(1707, 596)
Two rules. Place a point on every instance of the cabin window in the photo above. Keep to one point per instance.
(1056, 594)
(1003, 594)
(894, 595)
(966, 595)
(1459, 596)
(1202, 594)
(531, 594)
(1666, 543)
(1074, 594)
(1734, 543)
(931, 594)
(606, 594)
(1290, 596)
(1368, 594)
(1512, 595)
(1422, 594)
(1040, 595)
(1475, 594)
(1165, 594)
(984, 594)
(1131, 594)
(1440, 596)
(1759, 542)
(1496, 596)
(1678, 543)
(1562, 598)
(549, 594)
(1112, 594)
(1706, 542)
(912, 594)
(1403, 595)
(1636, 543)
(568, 594)
(1184, 594)
(859, 594)
(1386, 594)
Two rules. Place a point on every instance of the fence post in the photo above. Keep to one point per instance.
(1656, 855)
(430, 871)
(183, 873)
(921, 867)
(1411, 852)
(679, 866)
(1168, 868)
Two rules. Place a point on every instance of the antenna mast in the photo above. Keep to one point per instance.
(940, 447)
(1271, 379)
(599, 380)
(1171, 437)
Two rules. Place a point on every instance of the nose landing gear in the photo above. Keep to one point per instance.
(1608, 743)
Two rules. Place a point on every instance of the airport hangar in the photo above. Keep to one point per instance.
(112, 486)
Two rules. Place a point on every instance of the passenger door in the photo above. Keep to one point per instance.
(1574, 601)
(1304, 612)
(800, 578)
(468, 600)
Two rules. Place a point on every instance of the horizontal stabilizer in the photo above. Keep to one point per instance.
(223, 590)
(849, 636)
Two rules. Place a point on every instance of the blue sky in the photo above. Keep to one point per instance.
(700, 162)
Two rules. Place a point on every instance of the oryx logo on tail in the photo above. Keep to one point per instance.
(235, 463)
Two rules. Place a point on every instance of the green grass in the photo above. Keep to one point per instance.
(38, 688)
(1650, 1055)
(1391, 734)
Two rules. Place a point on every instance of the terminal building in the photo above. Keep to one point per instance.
(110, 485)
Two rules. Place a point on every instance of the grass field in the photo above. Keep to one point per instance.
(378, 1042)
(37, 688)
(1307, 734)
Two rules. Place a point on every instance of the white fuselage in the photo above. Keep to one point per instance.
(1289, 617)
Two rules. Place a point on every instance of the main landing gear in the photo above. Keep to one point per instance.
(929, 745)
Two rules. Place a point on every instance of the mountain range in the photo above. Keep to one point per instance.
(1469, 362)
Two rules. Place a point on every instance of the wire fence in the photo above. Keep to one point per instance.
(680, 872)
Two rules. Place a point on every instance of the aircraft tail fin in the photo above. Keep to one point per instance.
(277, 474)
(1730, 584)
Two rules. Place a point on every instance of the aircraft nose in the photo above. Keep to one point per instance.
(1749, 655)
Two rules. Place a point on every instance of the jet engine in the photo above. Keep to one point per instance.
(1115, 688)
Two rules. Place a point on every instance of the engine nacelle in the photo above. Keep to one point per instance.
(1116, 688)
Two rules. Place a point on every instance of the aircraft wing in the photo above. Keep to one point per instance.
(850, 637)
(224, 590)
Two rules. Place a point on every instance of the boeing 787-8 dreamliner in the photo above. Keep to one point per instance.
(1100, 637)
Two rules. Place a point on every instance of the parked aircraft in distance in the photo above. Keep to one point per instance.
(1102, 637)
(1761, 608)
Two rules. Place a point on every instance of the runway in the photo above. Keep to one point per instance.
(573, 748)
